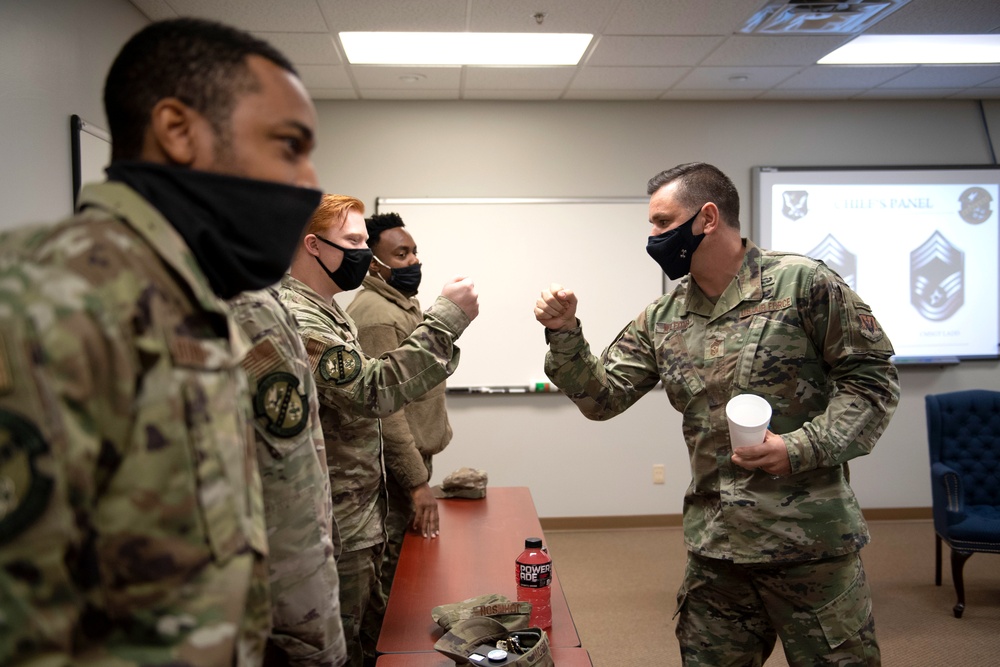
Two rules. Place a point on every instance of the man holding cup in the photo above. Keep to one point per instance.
(773, 529)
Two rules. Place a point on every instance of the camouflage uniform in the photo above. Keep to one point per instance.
(354, 391)
(789, 329)
(302, 535)
(384, 318)
(132, 530)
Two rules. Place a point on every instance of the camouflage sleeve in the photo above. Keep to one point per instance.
(402, 458)
(865, 382)
(346, 378)
(291, 454)
(606, 386)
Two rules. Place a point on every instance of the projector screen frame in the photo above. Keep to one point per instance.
(762, 205)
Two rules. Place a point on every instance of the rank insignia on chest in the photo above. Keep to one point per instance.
(278, 402)
(870, 328)
(24, 492)
(715, 348)
(340, 364)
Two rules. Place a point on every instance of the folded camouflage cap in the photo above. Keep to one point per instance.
(512, 615)
(464, 483)
(469, 642)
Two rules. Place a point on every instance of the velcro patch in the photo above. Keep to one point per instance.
(767, 307)
(870, 327)
(278, 403)
(261, 359)
(667, 327)
(24, 492)
(340, 364)
(6, 377)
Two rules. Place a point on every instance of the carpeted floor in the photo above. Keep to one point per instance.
(621, 587)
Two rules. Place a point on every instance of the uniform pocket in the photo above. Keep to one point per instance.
(845, 616)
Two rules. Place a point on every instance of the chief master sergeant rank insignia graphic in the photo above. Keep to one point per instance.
(937, 277)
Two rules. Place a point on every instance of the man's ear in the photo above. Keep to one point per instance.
(710, 218)
(176, 133)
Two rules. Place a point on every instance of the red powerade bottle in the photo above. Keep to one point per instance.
(534, 581)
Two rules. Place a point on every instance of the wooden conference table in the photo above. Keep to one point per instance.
(473, 555)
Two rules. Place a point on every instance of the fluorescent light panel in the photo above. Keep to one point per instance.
(464, 48)
(917, 50)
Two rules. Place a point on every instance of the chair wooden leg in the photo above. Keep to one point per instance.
(937, 559)
(958, 559)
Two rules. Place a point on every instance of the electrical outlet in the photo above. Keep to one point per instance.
(659, 473)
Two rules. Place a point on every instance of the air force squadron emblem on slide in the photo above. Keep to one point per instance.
(795, 204)
(937, 278)
(975, 205)
(838, 258)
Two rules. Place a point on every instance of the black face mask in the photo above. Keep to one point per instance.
(406, 279)
(673, 250)
(242, 231)
(353, 268)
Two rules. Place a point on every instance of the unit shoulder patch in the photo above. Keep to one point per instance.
(24, 491)
(278, 403)
(870, 328)
(340, 364)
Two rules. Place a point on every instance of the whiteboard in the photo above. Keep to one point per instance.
(513, 249)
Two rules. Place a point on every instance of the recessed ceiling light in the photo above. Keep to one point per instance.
(916, 50)
(412, 78)
(464, 48)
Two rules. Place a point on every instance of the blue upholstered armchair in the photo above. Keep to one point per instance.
(963, 431)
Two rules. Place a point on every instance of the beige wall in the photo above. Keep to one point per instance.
(504, 149)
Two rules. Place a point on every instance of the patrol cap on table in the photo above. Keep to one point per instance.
(461, 641)
(511, 615)
(464, 483)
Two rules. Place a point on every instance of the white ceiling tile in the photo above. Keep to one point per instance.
(680, 17)
(618, 78)
(304, 48)
(520, 78)
(830, 77)
(393, 15)
(371, 77)
(560, 15)
(324, 76)
(945, 76)
(773, 50)
(155, 10)
(946, 17)
(731, 78)
(651, 51)
(257, 15)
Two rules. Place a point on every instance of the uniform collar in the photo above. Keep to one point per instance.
(745, 286)
(331, 308)
(391, 294)
(133, 210)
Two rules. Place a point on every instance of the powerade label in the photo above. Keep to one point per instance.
(535, 576)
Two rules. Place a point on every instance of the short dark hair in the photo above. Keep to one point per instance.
(701, 183)
(202, 63)
(380, 222)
